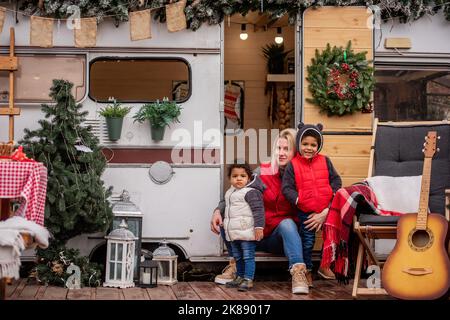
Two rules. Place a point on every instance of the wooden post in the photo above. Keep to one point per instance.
(11, 85)
(10, 64)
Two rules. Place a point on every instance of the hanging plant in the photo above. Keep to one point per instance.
(341, 81)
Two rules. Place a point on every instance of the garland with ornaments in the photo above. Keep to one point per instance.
(341, 81)
(211, 12)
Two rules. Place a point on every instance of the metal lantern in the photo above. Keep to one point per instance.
(148, 274)
(120, 257)
(128, 211)
(167, 264)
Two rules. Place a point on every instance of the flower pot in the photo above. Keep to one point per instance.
(114, 128)
(157, 132)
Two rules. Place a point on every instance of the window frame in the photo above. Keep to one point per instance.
(20, 52)
(107, 58)
(412, 64)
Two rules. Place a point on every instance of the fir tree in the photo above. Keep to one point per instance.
(76, 200)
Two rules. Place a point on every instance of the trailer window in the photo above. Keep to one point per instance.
(412, 94)
(34, 77)
(139, 80)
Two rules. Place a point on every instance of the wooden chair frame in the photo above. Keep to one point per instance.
(367, 234)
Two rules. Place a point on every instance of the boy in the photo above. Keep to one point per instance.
(243, 222)
(309, 183)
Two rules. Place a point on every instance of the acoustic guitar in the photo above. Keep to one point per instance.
(418, 267)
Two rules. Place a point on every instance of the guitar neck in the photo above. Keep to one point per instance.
(424, 195)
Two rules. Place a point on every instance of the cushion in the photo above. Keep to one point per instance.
(398, 152)
(399, 194)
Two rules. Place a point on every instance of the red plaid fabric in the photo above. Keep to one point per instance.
(337, 226)
(25, 182)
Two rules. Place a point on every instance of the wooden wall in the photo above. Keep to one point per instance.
(338, 25)
(244, 61)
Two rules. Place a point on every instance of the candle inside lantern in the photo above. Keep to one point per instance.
(146, 278)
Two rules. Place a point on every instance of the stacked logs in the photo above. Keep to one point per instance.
(285, 114)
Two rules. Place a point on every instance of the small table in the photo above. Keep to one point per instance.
(25, 182)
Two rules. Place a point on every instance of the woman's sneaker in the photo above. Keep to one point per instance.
(228, 273)
(326, 273)
(245, 285)
(299, 280)
(235, 282)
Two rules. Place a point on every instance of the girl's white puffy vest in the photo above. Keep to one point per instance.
(238, 221)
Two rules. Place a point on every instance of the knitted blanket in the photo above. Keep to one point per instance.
(12, 243)
(337, 226)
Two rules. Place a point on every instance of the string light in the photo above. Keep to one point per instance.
(244, 34)
(279, 38)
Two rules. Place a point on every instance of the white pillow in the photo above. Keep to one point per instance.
(399, 194)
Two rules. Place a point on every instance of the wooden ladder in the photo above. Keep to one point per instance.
(8, 63)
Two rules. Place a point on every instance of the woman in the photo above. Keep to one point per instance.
(281, 229)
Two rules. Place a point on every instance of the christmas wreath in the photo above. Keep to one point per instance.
(341, 81)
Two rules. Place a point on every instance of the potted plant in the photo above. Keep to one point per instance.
(159, 114)
(114, 114)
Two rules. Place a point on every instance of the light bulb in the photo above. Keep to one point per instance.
(244, 34)
(279, 38)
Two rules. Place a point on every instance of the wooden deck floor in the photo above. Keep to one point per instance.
(323, 290)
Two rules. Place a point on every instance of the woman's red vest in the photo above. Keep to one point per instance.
(275, 204)
(313, 183)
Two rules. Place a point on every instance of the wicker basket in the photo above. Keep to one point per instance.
(6, 149)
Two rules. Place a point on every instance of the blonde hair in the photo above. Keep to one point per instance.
(289, 134)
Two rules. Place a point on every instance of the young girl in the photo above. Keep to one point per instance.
(309, 183)
(244, 222)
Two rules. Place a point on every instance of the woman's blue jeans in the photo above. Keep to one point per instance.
(244, 253)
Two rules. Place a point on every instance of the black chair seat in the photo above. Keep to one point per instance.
(376, 220)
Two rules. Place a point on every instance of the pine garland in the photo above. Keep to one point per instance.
(341, 82)
(214, 11)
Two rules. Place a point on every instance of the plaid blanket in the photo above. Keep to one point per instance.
(337, 226)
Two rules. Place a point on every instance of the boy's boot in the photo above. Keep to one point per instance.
(235, 282)
(245, 285)
(326, 273)
(299, 281)
(228, 273)
(309, 278)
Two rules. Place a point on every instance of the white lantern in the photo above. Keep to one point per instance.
(167, 264)
(120, 257)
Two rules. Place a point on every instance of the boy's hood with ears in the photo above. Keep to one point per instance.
(256, 183)
(303, 128)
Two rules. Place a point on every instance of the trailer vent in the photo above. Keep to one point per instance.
(99, 129)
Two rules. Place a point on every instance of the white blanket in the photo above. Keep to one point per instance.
(12, 244)
(399, 194)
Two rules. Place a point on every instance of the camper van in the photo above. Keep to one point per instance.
(412, 62)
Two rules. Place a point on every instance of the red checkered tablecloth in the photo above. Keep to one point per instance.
(25, 182)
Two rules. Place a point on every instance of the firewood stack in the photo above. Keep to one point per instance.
(284, 114)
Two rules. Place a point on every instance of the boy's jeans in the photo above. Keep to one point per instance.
(308, 239)
(244, 253)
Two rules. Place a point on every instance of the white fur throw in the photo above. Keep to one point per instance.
(399, 194)
(12, 244)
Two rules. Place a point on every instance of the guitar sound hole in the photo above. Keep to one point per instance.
(420, 238)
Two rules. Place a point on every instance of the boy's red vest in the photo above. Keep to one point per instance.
(313, 183)
(276, 206)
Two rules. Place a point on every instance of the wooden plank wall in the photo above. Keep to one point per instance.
(338, 25)
(244, 61)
